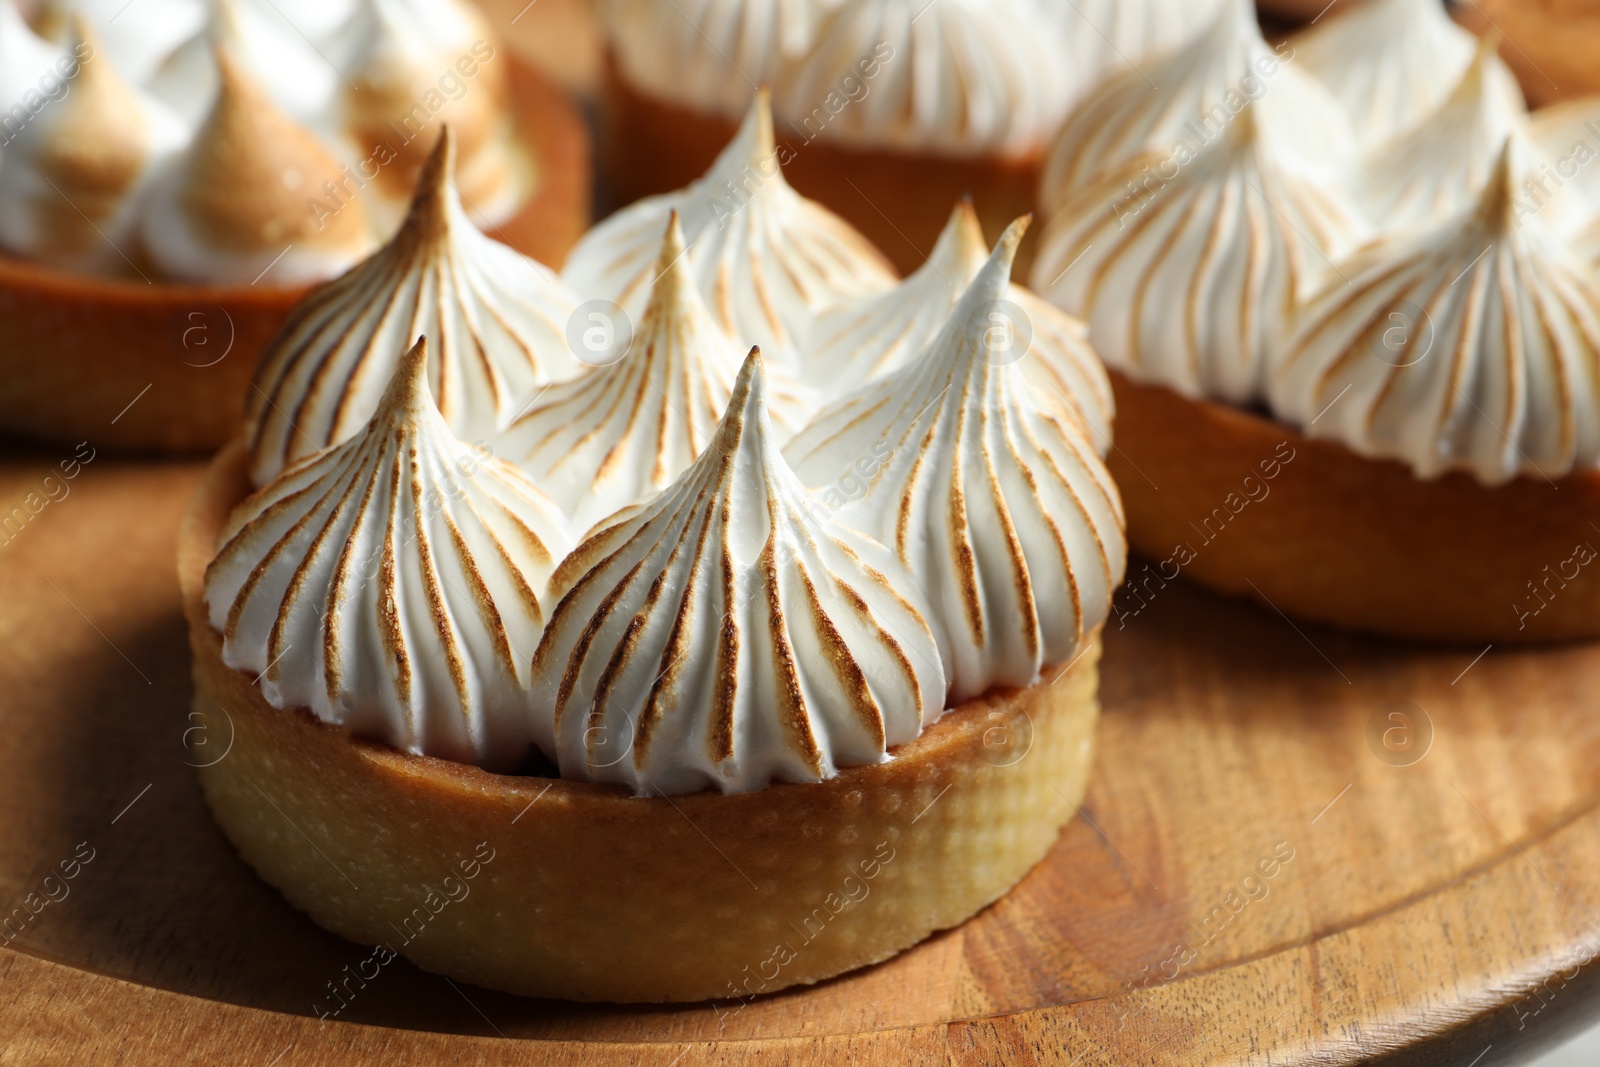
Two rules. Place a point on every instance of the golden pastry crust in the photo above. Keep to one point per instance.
(1250, 507)
(566, 889)
(78, 349)
(899, 201)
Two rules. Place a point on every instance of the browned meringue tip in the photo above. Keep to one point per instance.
(969, 231)
(1497, 202)
(765, 143)
(407, 391)
(429, 201)
(672, 268)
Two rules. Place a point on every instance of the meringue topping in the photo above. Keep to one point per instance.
(1095, 39)
(730, 633)
(859, 340)
(710, 54)
(391, 585)
(1391, 64)
(137, 41)
(72, 172)
(1190, 99)
(399, 48)
(766, 258)
(621, 432)
(26, 60)
(274, 53)
(985, 488)
(1440, 166)
(1471, 345)
(496, 320)
(1568, 135)
(962, 77)
(239, 202)
(1190, 278)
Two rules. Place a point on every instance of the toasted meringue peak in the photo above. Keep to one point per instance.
(1391, 64)
(766, 258)
(993, 499)
(1471, 345)
(1568, 135)
(1190, 281)
(496, 318)
(1441, 165)
(136, 42)
(959, 78)
(710, 54)
(391, 585)
(396, 52)
(1189, 98)
(245, 198)
(730, 633)
(72, 173)
(623, 431)
(858, 340)
(272, 52)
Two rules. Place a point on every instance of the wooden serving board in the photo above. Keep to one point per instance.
(1430, 900)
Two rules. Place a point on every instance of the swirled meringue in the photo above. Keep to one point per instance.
(27, 66)
(391, 585)
(766, 258)
(1441, 165)
(137, 41)
(709, 54)
(1190, 98)
(495, 318)
(401, 83)
(1190, 281)
(236, 204)
(73, 173)
(1094, 39)
(1390, 64)
(1471, 345)
(995, 502)
(730, 633)
(859, 340)
(957, 78)
(1568, 135)
(260, 40)
(621, 432)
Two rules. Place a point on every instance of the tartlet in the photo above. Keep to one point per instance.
(871, 740)
(887, 110)
(1376, 403)
(152, 350)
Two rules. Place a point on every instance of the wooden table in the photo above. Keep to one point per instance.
(1430, 906)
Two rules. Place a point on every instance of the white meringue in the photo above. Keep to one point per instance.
(1471, 345)
(391, 585)
(74, 171)
(1391, 64)
(238, 205)
(1096, 39)
(956, 78)
(621, 432)
(730, 634)
(709, 54)
(271, 51)
(29, 75)
(1188, 99)
(859, 340)
(1568, 136)
(138, 35)
(1190, 280)
(995, 502)
(1441, 165)
(765, 257)
(495, 321)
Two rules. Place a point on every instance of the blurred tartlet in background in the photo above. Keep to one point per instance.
(887, 111)
(171, 185)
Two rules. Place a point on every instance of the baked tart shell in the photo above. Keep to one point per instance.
(1338, 538)
(164, 367)
(578, 891)
(899, 201)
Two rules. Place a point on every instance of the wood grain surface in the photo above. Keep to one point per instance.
(1430, 900)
